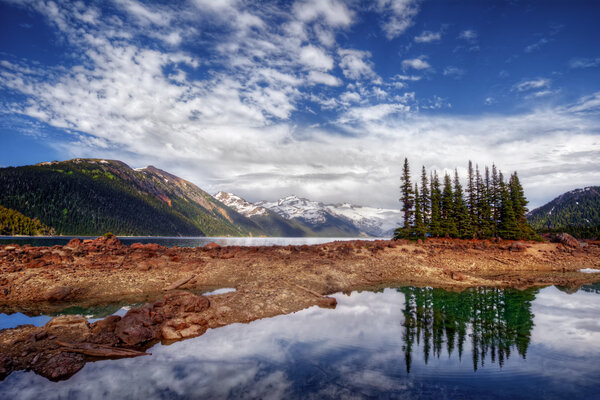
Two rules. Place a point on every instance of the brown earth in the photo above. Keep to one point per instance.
(269, 281)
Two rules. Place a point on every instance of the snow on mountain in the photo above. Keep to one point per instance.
(372, 221)
(295, 207)
(240, 205)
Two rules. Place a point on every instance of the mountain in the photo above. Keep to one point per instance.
(344, 219)
(270, 222)
(92, 196)
(577, 210)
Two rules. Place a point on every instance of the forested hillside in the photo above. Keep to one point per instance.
(576, 212)
(91, 197)
(14, 223)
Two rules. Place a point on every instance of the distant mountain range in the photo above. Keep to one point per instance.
(95, 196)
(577, 210)
(319, 218)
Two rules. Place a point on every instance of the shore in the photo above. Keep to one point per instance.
(269, 281)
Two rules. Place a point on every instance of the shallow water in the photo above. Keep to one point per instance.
(397, 343)
(179, 241)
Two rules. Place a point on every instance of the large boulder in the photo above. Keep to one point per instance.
(567, 240)
(60, 366)
(136, 327)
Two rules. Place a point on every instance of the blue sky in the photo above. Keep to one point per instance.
(320, 98)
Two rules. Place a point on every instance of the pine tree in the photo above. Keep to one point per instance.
(494, 197)
(485, 209)
(435, 220)
(407, 200)
(519, 203)
(460, 211)
(471, 195)
(425, 198)
(507, 227)
(419, 227)
(448, 224)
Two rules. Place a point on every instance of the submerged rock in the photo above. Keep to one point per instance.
(60, 366)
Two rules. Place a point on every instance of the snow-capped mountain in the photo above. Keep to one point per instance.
(240, 205)
(342, 219)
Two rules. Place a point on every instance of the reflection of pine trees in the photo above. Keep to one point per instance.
(499, 320)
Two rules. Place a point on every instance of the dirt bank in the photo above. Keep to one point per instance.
(269, 281)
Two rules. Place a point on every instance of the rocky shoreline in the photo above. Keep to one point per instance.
(269, 281)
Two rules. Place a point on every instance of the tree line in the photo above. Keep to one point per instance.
(14, 223)
(488, 207)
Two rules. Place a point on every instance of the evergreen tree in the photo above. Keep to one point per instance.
(484, 206)
(494, 197)
(448, 223)
(519, 203)
(460, 211)
(507, 227)
(471, 195)
(435, 220)
(407, 200)
(419, 227)
(425, 198)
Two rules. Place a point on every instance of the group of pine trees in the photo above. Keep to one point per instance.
(488, 207)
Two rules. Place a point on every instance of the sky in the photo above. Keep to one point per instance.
(319, 98)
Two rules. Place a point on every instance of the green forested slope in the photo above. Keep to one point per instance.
(14, 223)
(91, 197)
(577, 212)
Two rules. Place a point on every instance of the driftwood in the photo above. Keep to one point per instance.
(308, 290)
(99, 350)
(179, 283)
(501, 261)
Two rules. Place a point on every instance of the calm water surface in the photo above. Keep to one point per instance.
(397, 343)
(178, 241)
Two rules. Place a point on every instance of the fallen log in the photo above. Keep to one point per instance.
(99, 350)
(179, 283)
(308, 290)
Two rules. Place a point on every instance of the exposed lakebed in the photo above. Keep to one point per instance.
(404, 342)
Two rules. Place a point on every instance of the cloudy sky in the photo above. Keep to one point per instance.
(319, 98)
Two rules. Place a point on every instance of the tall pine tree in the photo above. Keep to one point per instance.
(420, 229)
(448, 225)
(461, 212)
(407, 199)
(425, 198)
(435, 221)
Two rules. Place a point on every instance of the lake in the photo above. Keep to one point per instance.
(402, 342)
(180, 241)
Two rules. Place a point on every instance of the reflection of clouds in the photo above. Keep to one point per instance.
(354, 351)
(568, 323)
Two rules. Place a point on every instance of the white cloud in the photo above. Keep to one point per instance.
(454, 72)
(355, 64)
(469, 35)
(537, 45)
(398, 15)
(428, 37)
(532, 84)
(577, 63)
(315, 58)
(416, 63)
(324, 78)
(331, 12)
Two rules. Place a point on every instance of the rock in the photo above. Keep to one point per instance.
(179, 302)
(60, 366)
(108, 324)
(67, 321)
(136, 327)
(6, 367)
(58, 293)
(9, 248)
(212, 246)
(73, 244)
(327, 302)
(169, 333)
(517, 247)
(566, 240)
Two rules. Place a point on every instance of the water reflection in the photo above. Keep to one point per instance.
(453, 342)
(496, 320)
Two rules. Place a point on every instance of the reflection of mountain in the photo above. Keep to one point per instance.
(592, 288)
(497, 320)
